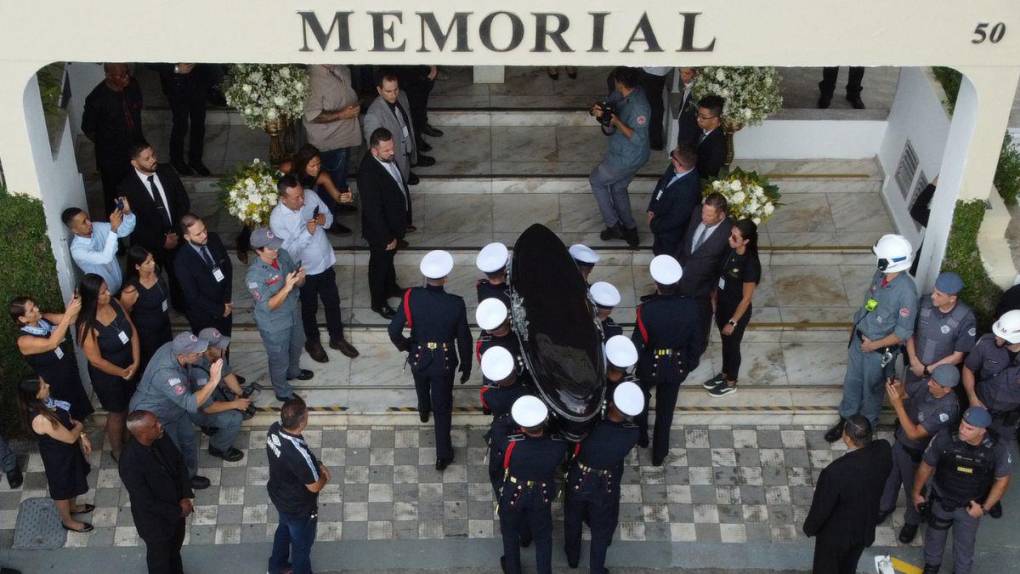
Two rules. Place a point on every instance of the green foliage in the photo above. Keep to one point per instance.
(50, 79)
(963, 257)
(1007, 173)
(29, 269)
(950, 80)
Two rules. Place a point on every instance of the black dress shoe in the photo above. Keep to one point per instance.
(657, 461)
(199, 168)
(386, 311)
(199, 482)
(611, 233)
(525, 542)
(883, 515)
(402, 244)
(15, 478)
(339, 229)
(230, 455)
(316, 352)
(442, 463)
(425, 160)
(573, 562)
(410, 228)
(631, 236)
(305, 375)
(423, 415)
(85, 527)
(643, 442)
(855, 101)
(824, 100)
(931, 568)
(182, 168)
(836, 432)
(907, 533)
(345, 347)
(413, 179)
(432, 132)
(423, 145)
(502, 564)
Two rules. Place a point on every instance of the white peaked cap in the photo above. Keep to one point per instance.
(492, 257)
(604, 294)
(629, 399)
(490, 314)
(665, 270)
(529, 411)
(497, 363)
(584, 254)
(436, 264)
(621, 352)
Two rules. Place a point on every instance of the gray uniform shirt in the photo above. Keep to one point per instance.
(997, 375)
(165, 388)
(939, 334)
(630, 153)
(895, 310)
(931, 413)
(263, 282)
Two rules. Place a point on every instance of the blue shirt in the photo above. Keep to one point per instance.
(630, 153)
(98, 253)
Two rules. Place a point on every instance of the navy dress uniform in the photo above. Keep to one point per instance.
(529, 487)
(585, 258)
(940, 334)
(621, 356)
(971, 471)
(996, 370)
(930, 405)
(492, 261)
(606, 297)
(501, 390)
(281, 329)
(440, 341)
(668, 337)
(593, 481)
(889, 307)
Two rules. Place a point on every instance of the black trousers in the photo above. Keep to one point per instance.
(653, 86)
(418, 97)
(187, 105)
(163, 556)
(223, 324)
(111, 173)
(321, 285)
(600, 511)
(435, 393)
(666, 393)
(382, 277)
(731, 343)
(853, 83)
(832, 559)
(705, 320)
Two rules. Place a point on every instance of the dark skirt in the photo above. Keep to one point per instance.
(66, 468)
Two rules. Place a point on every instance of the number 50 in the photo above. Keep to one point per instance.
(993, 35)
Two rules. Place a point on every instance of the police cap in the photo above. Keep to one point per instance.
(213, 336)
(946, 375)
(264, 237)
(978, 417)
(949, 283)
(187, 343)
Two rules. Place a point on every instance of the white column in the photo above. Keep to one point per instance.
(972, 150)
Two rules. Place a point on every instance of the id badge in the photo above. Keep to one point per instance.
(722, 282)
(59, 353)
(217, 274)
(123, 337)
(165, 306)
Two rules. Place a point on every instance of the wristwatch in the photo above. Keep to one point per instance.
(732, 322)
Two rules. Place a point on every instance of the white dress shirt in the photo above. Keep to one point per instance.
(159, 186)
(98, 253)
(707, 231)
(314, 251)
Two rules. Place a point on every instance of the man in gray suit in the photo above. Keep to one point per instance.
(702, 254)
(392, 111)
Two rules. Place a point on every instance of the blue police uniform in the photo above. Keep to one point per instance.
(593, 489)
(889, 307)
(624, 156)
(938, 335)
(997, 375)
(526, 495)
(438, 323)
(485, 289)
(282, 332)
(227, 422)
(669, 341)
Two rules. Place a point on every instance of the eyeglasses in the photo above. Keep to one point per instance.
(701, 117)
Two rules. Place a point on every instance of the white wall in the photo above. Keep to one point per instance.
(810, 139)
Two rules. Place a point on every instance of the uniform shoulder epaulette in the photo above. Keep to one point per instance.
(516, 437)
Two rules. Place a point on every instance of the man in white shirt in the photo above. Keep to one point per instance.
(94, 246)
(300, 219)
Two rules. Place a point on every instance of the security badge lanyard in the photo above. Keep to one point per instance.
(43, 329)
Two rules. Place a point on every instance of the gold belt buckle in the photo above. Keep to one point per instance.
(431, 346)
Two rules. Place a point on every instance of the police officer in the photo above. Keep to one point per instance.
(669, 341)
(273, 279)
(621, 356)
(881, 325)
(971, 470)
(438, 323)
(165, 390)
(222, 414)
(585, 258)
(946, 329)
(593, 481)
(492, 261)
(991, 376)
(923, 408)
(606, 298)
(502, 388)
(528, 489)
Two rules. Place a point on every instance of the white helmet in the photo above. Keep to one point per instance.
(894, 253)
(1008, 327)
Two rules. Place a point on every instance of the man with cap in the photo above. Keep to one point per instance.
(991, 376)
(923, 408)
(438, 324)
(971, 471)
(606, 298)
(491, 316)
(272, 280)
(945, 332)
(165, 390)
(502, 387)
(884, 321)
(530, 460)
(222, 414)
(669, 341)
(492, 261)
(621, 356)
(593, 481)
(585, 258)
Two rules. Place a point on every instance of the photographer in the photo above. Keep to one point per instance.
(624, 118)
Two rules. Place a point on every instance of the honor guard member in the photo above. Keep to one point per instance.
(946, 329)
(668, 338)
(492, 318)
(621, 356)
(500, 391)
(971, 472)
(881, 325)
(492, 261)
(273, 279)
(923, 408)
(991, 376)
(606, 298)
(585, 258)
(440, 341)
(593, 481)
(530, 460)
(165, 390)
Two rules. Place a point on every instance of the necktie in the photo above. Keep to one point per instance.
(700, 238)
(207, 256)
(157, 198)
(395, 174)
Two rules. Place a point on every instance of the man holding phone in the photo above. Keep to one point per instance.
(94, 246)
(300, 220)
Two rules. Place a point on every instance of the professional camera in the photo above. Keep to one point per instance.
(608, 111)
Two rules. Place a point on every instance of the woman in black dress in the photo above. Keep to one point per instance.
(145, 297)
(63, 446)
(111, 345)
(44, 343)
(740, 276)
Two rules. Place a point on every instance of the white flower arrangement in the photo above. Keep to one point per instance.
(751, 94)
(266, 92)
(249, 194)
(749, 195)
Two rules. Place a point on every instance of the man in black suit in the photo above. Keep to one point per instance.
(112, 119)
(186, 87)
(204, 270)
(676, 194)
(702, 254)
(385, 204)
(687, 119)
(711, 141)
(844, 511)
(158, 200)
(159, 485)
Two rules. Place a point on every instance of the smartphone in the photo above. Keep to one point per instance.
(120, 203)
(316, 212)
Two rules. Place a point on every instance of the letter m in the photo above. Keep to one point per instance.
(460, 20)
(340, 23)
